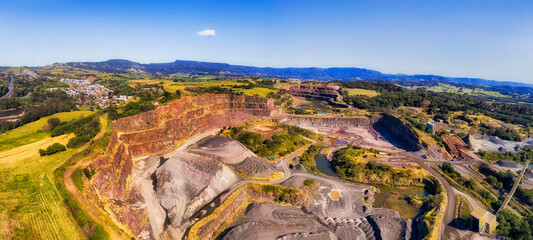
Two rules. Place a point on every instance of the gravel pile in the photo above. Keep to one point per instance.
(508, 163)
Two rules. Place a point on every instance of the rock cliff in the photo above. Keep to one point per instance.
(398, 133)
(161, 128)
(330, 121)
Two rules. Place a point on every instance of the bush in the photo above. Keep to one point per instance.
(348, 166)
(309, 182)
(307, 157)
(54, 122)
(84, 128)
(513, 227)
(278, 144)
(54, 148)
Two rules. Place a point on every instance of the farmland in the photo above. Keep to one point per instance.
(33, 205)
(172, 86)
(467, 91)
(360, 91)
(32, 132)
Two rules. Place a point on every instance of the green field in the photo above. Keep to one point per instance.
(171, 86)
(360, 91)
(467, 91)
(31, 132)
(31, 206)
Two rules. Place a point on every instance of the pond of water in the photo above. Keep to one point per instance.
(323, 165)
(394, 198)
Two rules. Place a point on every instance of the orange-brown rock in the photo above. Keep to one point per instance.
(457, 148)
(316, 91)
(161, 128)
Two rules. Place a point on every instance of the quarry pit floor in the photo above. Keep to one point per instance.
(365, 137)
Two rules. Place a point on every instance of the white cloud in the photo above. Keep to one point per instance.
(206, 33)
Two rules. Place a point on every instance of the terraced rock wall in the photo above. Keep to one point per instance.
(316, 91)
(331, 121)
(161, 128)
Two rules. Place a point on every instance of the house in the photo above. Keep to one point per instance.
(482, 220)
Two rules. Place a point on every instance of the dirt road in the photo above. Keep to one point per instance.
(95, 212)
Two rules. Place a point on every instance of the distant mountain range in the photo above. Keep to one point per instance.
(324, 74)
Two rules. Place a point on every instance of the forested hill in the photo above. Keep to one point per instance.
(348, 73)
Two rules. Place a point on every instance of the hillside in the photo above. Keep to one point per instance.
(312, 73)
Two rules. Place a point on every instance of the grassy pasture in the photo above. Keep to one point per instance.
(30, 133)
(360, 91)
(13, 156)
(32, 206)
(171, 86)
(467, 91)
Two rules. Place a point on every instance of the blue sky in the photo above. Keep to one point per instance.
(485, 38)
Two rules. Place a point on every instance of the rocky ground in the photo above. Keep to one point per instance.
(495, 144)
(323, 217)
(224, 149)
(177, 186)
(234, 154)
(363, 136)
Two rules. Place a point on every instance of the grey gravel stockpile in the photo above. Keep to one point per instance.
(508, 163)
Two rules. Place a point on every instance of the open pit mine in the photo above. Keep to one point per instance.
(167, 175)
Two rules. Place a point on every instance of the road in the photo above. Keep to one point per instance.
(11, 87)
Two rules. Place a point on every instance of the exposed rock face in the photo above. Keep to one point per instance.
(254, 167)
(330, 121)
(160, 130)
(321, 218)
(233, 153)
(388, 125)
(457, 148)
(399, 132)
(391, 225)
(224, 149)
(316, 91)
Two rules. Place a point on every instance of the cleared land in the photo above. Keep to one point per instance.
(12, 157)
(32, 206)
(32, 132)
(172, 86)
(360, 91)
(467, 91)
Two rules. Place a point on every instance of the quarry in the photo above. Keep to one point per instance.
(168, 174)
